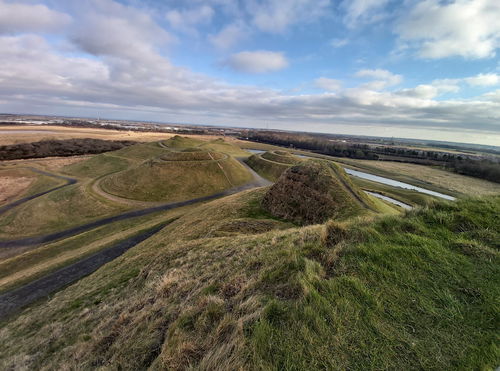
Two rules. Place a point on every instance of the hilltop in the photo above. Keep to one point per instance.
(272, 164)
(314, 192)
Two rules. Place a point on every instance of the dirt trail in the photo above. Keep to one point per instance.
(36, 240)
(43, 287)
(68, 180)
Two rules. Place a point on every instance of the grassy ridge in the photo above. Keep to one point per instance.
(96, 166)
(270, 170)
(419, 291)
(57, 210)
(175, 180)
(314, 191)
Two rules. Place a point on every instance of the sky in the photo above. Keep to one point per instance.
(424, 69)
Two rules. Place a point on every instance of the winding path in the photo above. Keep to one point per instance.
(68, 180)
(36, 240)
(42, 287)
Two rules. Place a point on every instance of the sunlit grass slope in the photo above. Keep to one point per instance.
(272, 164)
(174, 178)
(54, 211)
(96, 166)
(413, 292)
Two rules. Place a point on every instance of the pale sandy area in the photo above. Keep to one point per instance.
(10, 187)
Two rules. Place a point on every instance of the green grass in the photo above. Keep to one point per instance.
(413, 292)
(419, 292)
(179, 142)
(270, 170)
(96, 166)
(142, 151)
(281, 157)
(176, 180)
(32, 264)
(54, 211)
(220, 145)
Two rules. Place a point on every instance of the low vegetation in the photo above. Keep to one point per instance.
(272, 163)
(172, 179)
(68, 147)
(337, 296)
(310, 273)
(313, 192)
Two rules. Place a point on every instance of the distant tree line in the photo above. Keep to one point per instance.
(485, 167)
(68, 147)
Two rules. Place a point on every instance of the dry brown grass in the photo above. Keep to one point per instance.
(13, 184)
(61, 132)
(186, 304)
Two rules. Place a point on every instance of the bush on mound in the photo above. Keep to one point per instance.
(313, 192)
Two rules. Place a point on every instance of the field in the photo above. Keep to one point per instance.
(224, 282)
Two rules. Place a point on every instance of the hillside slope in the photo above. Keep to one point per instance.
(177, 176)
(315, 191)
(272, 164)
(413, 292)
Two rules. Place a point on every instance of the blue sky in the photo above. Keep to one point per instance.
(410, 68)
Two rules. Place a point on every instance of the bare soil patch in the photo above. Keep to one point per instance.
(11, 187)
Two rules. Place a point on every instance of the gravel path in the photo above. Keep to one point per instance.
(43, 287)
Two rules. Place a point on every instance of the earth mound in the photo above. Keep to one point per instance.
(313, 192)
(177, 176)
(272, 164)
(193, 156)
(282, 157)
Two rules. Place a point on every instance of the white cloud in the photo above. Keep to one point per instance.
(381, 78)
(328, 84)
(15, 18)
(128, 77)
(276, 16)
(363, 11)
(488, 79)
(184, 20)
(422, 91)
(338, 43)
(114, 30)
(229, 36)
(466, 28)
(260, 61)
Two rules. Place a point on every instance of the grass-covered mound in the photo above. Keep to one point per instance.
(178, 176)
(193, 156)
(272, 164)
(413, 292)
(313, 192)
(282, 157)
(220, 145)
(96, 166)
(180, 142)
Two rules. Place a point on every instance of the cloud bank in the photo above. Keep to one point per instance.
(115, 62)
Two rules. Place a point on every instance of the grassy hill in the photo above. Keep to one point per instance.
(177, 176)
(315, 191)
(272, 164)
(419, 291)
